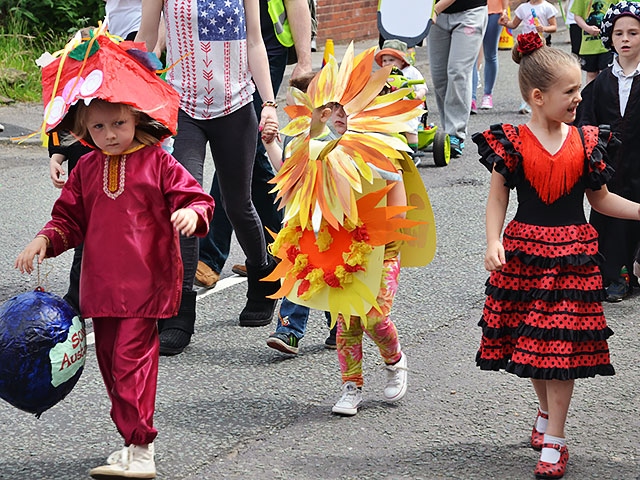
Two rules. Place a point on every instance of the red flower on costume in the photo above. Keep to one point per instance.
(529, 42)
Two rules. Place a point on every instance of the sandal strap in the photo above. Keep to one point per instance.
(543, 415)
(555, 446)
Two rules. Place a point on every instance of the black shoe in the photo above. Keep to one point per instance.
(330, 342)
(175, 332)
(173, 341)
(617, 291)
(283, 342)
(258, 312)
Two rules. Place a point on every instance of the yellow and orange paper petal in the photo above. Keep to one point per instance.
(311, 265)
(337, 224)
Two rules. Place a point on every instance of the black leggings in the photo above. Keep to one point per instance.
(232, 140)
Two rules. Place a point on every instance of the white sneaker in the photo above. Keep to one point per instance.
(117, 455)
(134, 461)
(396, 380)
(349, 401)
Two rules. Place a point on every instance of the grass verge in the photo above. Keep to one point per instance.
(19, 51)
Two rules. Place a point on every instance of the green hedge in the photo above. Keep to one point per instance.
(47, 18)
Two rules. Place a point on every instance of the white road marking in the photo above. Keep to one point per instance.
(221, 285)
(202, 293)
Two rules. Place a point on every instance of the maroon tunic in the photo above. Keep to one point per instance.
(120, 208)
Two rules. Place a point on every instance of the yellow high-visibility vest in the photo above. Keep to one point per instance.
(278, 16)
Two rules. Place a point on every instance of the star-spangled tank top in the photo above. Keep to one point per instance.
(208, 40)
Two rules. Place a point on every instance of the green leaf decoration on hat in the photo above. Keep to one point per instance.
(80, 52)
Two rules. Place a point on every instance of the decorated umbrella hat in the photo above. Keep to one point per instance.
(97, 66)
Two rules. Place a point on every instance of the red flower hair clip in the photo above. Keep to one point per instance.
(529, 42)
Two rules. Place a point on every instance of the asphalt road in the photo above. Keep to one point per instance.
(232, 408)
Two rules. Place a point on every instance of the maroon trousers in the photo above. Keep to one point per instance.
(128, 355)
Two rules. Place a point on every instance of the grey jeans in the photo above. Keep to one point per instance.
(454, 43)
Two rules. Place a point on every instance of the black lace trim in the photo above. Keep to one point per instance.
(527, 371)
(546, 334)
(549, 296)
(491, 160)
(577, 260)
(605, 148)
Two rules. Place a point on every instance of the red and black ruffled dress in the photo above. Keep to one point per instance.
(543, 315)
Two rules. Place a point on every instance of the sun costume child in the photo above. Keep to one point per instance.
(126, 201)
(332, 248)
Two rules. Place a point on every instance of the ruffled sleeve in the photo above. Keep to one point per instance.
(497, 151)
(600, 146)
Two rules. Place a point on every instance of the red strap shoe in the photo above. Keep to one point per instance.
(537, 438)
(553, 470)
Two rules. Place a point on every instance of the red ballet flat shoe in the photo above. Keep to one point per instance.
(537, 438)
(553, 470)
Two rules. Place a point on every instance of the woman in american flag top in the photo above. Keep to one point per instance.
(220, 60)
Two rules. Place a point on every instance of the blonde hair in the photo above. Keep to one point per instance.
(144, 123)
(540, 68)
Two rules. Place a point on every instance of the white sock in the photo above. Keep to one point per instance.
(541, 423)
(551, 455)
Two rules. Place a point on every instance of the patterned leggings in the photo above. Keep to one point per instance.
(378, 327)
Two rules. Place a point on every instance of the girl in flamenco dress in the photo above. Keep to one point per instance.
(543, 316)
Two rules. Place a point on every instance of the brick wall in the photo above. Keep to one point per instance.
(346, 20)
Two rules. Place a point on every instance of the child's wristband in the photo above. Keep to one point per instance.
(269, 103)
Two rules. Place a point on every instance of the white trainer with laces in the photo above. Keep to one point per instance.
(349, 401)
(134, 461)
(396, 380)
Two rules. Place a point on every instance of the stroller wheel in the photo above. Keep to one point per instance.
(441, 149)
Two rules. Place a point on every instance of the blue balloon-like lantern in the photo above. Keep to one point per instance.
(42, 350)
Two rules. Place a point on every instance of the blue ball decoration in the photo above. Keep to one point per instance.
(42, 350)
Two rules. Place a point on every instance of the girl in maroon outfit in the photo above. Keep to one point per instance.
(127, 201)
(543, 316)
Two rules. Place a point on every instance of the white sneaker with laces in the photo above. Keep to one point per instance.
(134, 461)
(396, 380)
(349, 401)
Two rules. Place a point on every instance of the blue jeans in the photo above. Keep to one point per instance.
(295, 318)
(215, 247)
(490, 48)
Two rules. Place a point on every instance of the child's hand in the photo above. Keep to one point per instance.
(540, 28)
(494, 258)
(185, 220)
(37, 246)
(268, 117)
(56, 172)
(503, 20)
(269, 132)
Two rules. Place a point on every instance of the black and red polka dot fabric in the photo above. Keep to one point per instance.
(543, 315)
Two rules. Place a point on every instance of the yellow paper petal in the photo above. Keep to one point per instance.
(370, 91)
